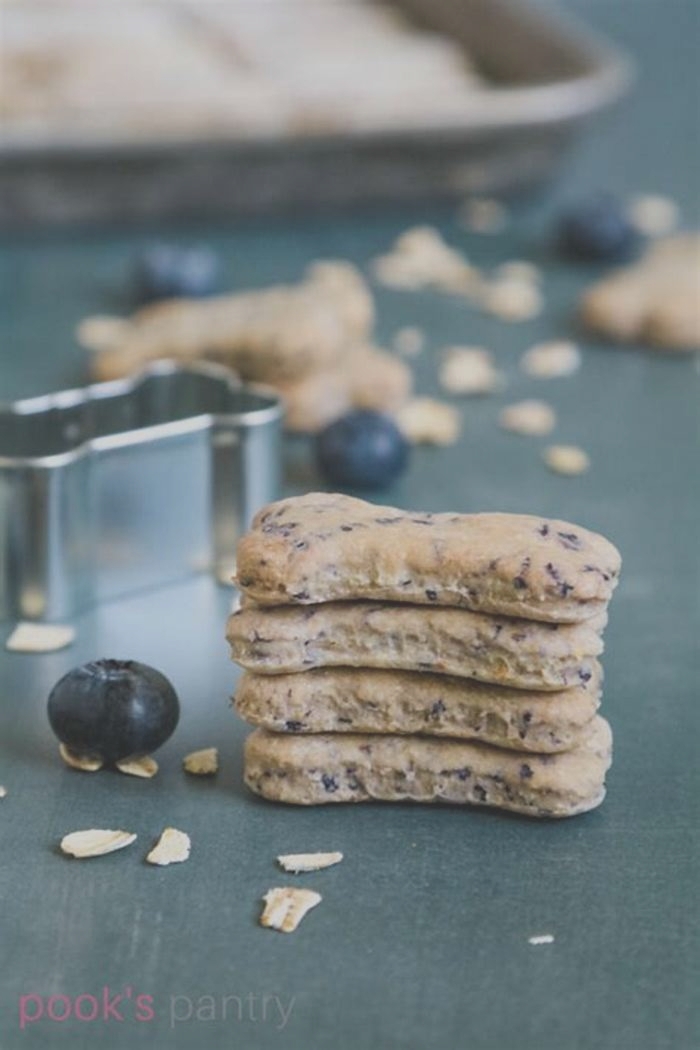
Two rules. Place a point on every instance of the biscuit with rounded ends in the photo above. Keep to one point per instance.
(655, 301)
(368, 378)
(360, 700)
(277, 334)
(327, 547)
(327, 767)
(288, 639)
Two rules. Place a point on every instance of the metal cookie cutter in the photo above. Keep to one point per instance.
(130, 484)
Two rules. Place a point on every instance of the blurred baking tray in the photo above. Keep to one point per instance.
(549, 75)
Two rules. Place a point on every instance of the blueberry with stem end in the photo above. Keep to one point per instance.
(167, 271)
(113, 709)
(363, 449)
(598, 229)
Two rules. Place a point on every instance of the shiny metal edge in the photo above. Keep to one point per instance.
(75, 397)
(135, 508)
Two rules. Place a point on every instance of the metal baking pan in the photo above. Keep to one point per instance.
(549, 75)
(130, 484)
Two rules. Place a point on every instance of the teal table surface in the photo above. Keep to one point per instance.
(422, 939)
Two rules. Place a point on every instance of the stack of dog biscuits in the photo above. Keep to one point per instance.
(393, 655)
(310, 341)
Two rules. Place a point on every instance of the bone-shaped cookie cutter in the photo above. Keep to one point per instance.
(130, 484)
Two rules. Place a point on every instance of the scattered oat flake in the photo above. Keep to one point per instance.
(420, 258)
(203, 763)
(173, 847)
(541, 938)
(40, 637)
(566, 459)
(551, 360)
(101, 332)
(298, 862)
(86, 763)
(3, 791)
(409, 341)
(519, 270)
(653, 215)
(139, 766)
(95, 842)
(482, 215)
(528, 417)
(285, 907)
(512, 300)
(469, 370)
(425, 421)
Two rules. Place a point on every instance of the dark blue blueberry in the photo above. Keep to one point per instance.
(167, 271)
(598, 229)
(363, 449)
(113, 709)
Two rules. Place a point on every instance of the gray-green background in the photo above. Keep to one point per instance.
(421, 942)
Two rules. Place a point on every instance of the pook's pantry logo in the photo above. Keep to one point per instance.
(127, 1005)
(86, 1007)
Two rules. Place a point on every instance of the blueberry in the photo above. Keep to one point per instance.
(598, 229)
(113, 709)
(363, 449)
(166, 271)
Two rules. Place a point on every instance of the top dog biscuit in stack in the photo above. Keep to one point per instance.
(303, 551)
(381, 632)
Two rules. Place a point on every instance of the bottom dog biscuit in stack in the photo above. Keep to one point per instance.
(380, 665)
(336, 767)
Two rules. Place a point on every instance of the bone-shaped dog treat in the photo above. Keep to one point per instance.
(520, 653)
(656, 301)
(331, 767)
(273, 335)
(361, 700)
(327, 547)
(365, 378)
